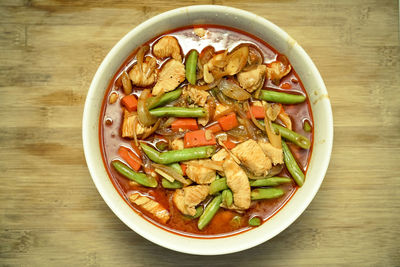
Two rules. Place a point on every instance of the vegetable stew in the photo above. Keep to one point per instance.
(206, 131)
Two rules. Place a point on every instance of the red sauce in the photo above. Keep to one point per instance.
(222, 224)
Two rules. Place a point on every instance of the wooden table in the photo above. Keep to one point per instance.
(50, 210)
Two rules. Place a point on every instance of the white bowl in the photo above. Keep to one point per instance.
(273, 35)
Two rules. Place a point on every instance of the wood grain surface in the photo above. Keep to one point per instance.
(50, 211)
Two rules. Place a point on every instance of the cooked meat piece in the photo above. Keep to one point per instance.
(150, 206)
(220, 108)
(238, 182)
(253, 79)
(170, 76)
(199, 174)
(252, 157)
(177, 144)
(275, 154)
(277, 70)
(188, 198)
(130, 119)
(167, 46)
(220, 155)
(145, 76)
(199, 97)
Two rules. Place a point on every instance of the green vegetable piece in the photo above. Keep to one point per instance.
(218, 185)
(255, 221)
(266, 193)
(227, 197)
(191, 64)
(271, 181)
(168, 185)
(138, 177)
(307, 127)
(199, 212)
(156, 101)
(279, 97)
(292, 136)
(161, 145)
(176, 167)
(209, 212)
(291, 165)
(178, 112)
(172, 156)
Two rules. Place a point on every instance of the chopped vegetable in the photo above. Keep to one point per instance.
(199, 212)
(292, 136)
(199, 138)
(227, 197)
(130, 102)
(283, 98)
(255, 221)
(307, 127)
(138, 177)
(177, 155)
(215, 128)
(209, 212)
(292, 166)
(257, 111)
(218, 185)
(271, 181)
(178, 112)
(266, 193)
(161, 100)
(171, 185)
(184, 124)
(191, 64)
(228, 122)
(133, 160)
(229, 144)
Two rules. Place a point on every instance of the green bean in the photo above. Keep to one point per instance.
(307, 126)
(199, 212)
(156, 101)
(172, 156)
(236, 221)
(178, 112)
(271, 181)
(138, 177)
(227, 197)
(279, 97)
(162, 145)
(255, 221)
(218, 185)
(171, 185)
(191, 64)
(292, 136)
(177, 167)
(209, 212)
(291, 165)
(266, 193)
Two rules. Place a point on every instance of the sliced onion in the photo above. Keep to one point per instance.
(168, 122)
(168, 132)
(246, 123)
(207, 86)
(170, 172)
(253, 119)
(223, 113)
(284, 117)
(233, 90)
(274, 139)
(135, 122)
(273, 111)
(152, 130)
(238, 132)
(143, 112)
(237, 60)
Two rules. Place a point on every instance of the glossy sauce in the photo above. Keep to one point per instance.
(222, 224)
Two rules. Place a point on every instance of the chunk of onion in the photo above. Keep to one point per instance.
(233, 90)
(145, 118)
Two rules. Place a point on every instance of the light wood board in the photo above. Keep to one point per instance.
(50, 211)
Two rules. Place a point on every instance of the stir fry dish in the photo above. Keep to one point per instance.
(206, 131)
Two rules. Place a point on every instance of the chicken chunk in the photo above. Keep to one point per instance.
(200, 174)
(252, 157)
(277, 70)
(146, 75)
(151, 206)
(188, 198)
(177, 144)
(220, 155)
(171, 75)
(167, 46)
(130, 119)
(238, 182)
(253, 79)
(275, 154)
(199, 97)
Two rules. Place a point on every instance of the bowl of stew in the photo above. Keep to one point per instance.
(207, 130)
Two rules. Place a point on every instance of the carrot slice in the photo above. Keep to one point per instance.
(257, 111)
(185, 124)
(229, 144)
(183, 167)
(130, 157)
(130, 102)
(228, 122)
(199, 138)
(215, 128)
